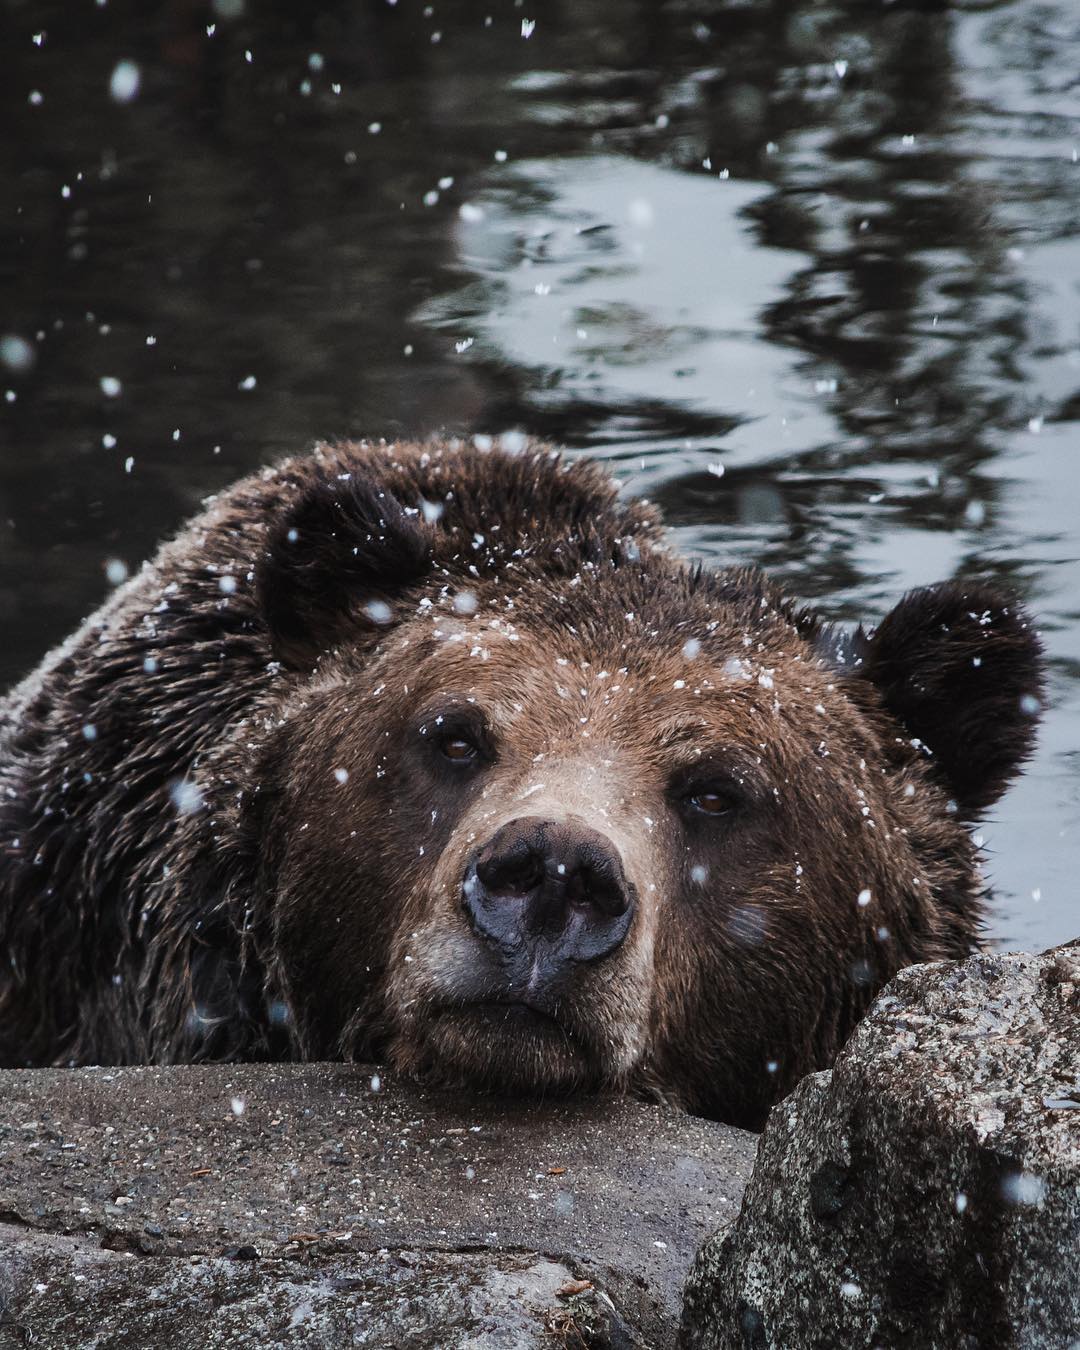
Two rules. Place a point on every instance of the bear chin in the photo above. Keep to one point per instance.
(505, 1047)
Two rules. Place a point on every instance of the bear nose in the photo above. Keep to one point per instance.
(551, 891)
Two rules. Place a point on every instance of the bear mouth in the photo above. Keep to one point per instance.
(510, 1020)
(506, 1045)
(514, 1014)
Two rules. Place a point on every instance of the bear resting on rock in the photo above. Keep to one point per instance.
(436, 756)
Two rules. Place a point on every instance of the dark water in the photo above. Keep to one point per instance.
(832, 247)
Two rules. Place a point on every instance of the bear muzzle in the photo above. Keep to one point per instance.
(544, 897)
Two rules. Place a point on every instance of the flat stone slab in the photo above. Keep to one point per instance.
(329, 1204)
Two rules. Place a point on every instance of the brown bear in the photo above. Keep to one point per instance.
(435, 755)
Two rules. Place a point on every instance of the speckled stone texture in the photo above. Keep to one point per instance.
(326, 1205)
(926, 1191)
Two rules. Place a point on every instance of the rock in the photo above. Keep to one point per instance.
(74, 1292)
(258, 1205)
(926, 1191)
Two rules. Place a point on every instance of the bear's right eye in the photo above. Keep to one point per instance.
(458, 739)
(458, 749)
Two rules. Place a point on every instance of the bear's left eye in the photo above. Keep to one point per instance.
(713, 802)
(710, 802)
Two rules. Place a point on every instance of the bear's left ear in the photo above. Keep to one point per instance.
(961, 668)
(334, 563)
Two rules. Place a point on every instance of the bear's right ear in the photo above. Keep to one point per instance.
(336, 561)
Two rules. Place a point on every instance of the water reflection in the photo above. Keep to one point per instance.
(625, 303)
(829, 248)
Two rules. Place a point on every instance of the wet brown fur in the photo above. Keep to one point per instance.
(185, 876)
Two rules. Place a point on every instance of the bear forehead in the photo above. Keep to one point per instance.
(666, 691)
(656, 618)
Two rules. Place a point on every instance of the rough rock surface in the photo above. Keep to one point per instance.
(926, 1191)
(318, 1205)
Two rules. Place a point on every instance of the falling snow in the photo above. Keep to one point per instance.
(124, 81)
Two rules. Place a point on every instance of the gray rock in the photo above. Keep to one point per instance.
(76, 1294)
(264, 1205)
(926, 1191)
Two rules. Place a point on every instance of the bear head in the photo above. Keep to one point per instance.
(541, 807)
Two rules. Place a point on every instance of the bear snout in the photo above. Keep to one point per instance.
(546, 895)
